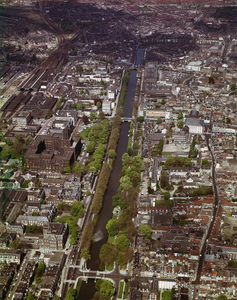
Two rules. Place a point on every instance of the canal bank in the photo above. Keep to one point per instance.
(88, 289)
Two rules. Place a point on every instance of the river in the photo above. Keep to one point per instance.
(88, 289)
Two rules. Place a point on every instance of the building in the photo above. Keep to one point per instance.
(66, 115)
(194, 66)
(69, 195)
(195, 126)
(106, 107)
(54, 236)
(54, 150)
(181, 136)
(36, 194)
(88, 181)
(32, 220)
(22, 118)
(11, 256)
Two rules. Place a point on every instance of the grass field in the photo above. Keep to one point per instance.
(130, 142)
(144, 8)
(120, 294)
(169, 203)
(126, 289)
(85, 133)
(65, 219)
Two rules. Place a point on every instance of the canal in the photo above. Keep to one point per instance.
(88, 289)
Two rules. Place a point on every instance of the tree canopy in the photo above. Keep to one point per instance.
(180, 124)
(145, 229)
(112, 227)
(122, 241)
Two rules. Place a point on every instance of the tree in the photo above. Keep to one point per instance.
(59, 104)
(159, 121)
(41, 267)
(140, 119)
(71, 293)
(145, 229)
(163, 101)
(99, 296)
(8, 142)
(101, 115)
(172, 124)
(49, 114)
(180, 115)
(122, 241)
(80, 106)
(77, 209)
(108, 255)
(112, 154)
(167, 295)
(222, 297)
(78, 167)
(121, 260)
(79, 69)
(81, 91)
(85, 119)
(14, 245)
(98, 284)
(30, 296)
(98, 104)
(167, 195)
(112, 227)
(180, 124)
(228, 120)
(88, 193)
(205, 162)
(107, 288)
(92, 115)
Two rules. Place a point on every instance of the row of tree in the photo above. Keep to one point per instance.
(193, 152)
(102, 184)
(100, 189)
(125, 81)
(98, 157)
(115, 133)
(86, 240)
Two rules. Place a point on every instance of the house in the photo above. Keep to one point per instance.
(88, 181)
(6, 238)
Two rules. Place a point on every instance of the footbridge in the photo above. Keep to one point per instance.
(128, 119)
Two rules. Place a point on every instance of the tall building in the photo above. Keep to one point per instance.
(54, 150)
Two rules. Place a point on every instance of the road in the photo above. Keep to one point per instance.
(214, 213)
(16, 283)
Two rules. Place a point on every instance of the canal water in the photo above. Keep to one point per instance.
(88, 290)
